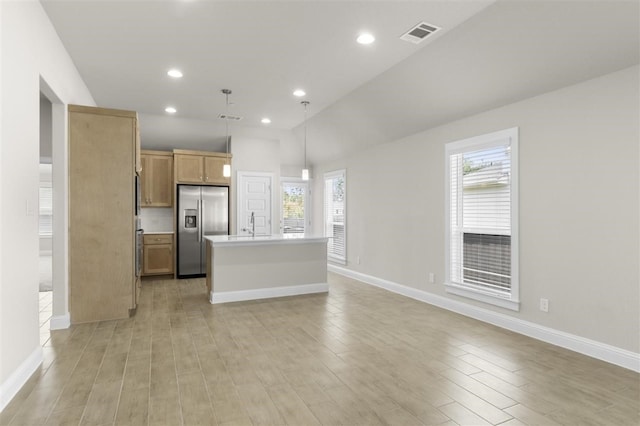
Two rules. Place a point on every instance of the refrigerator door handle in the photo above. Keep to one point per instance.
(202, 216)
(198, 220)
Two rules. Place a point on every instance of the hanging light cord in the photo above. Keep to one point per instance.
(226, 118)
(305, 103)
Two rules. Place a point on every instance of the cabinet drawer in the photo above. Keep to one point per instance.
(150, 239)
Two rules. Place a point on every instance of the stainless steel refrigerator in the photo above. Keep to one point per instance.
(202, 211)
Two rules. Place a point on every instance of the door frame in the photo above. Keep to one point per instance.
(60, 318)
(240, 195)
(307, 201)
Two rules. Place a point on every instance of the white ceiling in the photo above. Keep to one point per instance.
(262, 50)
(489, 54)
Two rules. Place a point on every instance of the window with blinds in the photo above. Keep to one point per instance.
(335, 203)
(481, 218)
(45, 219)
(46, 211)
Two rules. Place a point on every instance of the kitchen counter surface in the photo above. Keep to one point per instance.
(248, 240)
(157, 232)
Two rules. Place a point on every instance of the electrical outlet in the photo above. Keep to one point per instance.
(358, 260)
(544, 305)
(432, 277)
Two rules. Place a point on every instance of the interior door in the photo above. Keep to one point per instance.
(254, 196)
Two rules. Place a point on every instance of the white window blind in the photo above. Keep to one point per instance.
(482, 226)
(335, 202)
(45, 219)
(46, 210)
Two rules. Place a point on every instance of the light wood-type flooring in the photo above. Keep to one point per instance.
(357, 356)
(46, 311)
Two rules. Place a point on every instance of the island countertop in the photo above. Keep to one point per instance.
(248, 240)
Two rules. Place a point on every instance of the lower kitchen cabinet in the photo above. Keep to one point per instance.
(157, 254)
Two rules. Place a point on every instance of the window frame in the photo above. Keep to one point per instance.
(332, 175)
(486, 141)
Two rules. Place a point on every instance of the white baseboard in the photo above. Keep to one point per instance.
(267, 293)
(18, 378)
(60, 322)
(592, 348)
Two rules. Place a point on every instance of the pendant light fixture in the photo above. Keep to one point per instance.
(305, 171)
(226, 169)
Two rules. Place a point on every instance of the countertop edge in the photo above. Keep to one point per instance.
(248, 241)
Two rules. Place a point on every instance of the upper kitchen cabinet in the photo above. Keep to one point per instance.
(200, 167)
(213, 166)
(156, 179)
(103, 146)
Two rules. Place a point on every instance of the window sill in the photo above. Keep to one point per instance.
(481, 296)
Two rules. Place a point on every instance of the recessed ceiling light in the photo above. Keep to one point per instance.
(299, 93)
(174, 73)
(171, 110)
(365, 38)
(265, 120)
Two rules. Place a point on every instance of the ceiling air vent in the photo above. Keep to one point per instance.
(419, 32)
(230, 117)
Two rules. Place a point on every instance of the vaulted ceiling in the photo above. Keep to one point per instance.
(486, 55)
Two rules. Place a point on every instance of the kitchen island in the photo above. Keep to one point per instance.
(241, 267)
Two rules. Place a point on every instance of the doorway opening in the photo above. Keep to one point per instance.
(295, 218)
(45, 220)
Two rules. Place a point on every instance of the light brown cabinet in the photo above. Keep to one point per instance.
(200, 167)
(158, 254)
(156, 179)
(103, 146)
(213, 170)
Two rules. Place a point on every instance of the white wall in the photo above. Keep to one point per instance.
(46, 137)
(579, 195)
(32, 59)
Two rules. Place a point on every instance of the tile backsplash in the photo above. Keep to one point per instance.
(156, 219)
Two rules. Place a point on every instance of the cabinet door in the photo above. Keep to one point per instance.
(189, 168)
(145, 180)
(160, 184)
(213, 170)
(158, 259)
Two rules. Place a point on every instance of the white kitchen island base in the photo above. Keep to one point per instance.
(241, 268)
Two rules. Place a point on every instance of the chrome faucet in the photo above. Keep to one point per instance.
(252, 221)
